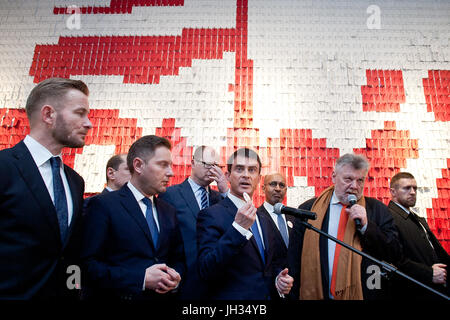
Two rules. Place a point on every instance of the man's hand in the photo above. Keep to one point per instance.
(439, 273)
(217, 175)
(246, 215)
(161, 278)
(357, 212)
(284, 282)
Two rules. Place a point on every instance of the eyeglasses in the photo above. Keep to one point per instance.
(274, 184)
(206, 165)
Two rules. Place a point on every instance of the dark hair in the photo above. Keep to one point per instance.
(52, 91)
(144, 148)
(246, 152)
(398, 176)
(114, 162)
(357, 161)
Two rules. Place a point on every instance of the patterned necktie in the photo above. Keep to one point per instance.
(60, 199)
(258, 240)
(283, 229)
(343, 219)
(151, 221)
(204, 198)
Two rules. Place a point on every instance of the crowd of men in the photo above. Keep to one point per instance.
(143, 239)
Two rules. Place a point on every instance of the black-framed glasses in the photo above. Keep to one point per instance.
(206, 165)
(274, 184)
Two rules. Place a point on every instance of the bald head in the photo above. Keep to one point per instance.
(274, 187)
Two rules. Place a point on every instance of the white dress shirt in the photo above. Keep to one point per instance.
(139, 196)
(274, 215)
(41, 156)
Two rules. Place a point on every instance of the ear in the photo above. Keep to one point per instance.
(138, 165)
(110, 173)
(227, 175)
(393, 193)
(263, 187)
(48, 114)
(333, 177)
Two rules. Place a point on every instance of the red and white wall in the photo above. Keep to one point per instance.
(303, 82)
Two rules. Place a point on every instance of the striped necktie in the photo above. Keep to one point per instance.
(204, 198)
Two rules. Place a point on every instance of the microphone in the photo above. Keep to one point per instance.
(298, 213)
(352, 200)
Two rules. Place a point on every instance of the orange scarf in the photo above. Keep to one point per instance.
(348, 276)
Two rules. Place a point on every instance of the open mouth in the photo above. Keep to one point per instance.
(245, 184)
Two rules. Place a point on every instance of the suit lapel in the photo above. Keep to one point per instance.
(34, 182)
(189, 197)
(75, 193)
(132, 208)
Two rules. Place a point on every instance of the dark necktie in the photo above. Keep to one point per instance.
(204, 198)
(254, 229)
(59, 197)
(151, 221)
(283, 229)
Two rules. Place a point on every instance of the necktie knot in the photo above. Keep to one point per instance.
(55, 162)
(147, 201)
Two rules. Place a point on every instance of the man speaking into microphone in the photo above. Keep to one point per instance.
(323, 269)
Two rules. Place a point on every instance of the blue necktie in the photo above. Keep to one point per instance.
(60, 199)
(258, 240)
(283, 229)
(151, 221)
(204, 198)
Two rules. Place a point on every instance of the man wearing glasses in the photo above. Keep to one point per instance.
(189, 198)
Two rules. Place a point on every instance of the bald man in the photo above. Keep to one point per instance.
(275, 189)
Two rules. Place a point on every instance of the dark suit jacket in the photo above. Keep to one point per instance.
(380, 240)
(118, 248)
(182, 198)
(418, 256)
(33, 259)
(86, 201)
(230, 263)
(279, 244)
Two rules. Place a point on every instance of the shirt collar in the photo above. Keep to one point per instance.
(194, 185)
(136, 193)
(268, 207)
(334, 199)
(39, 153)
(406, 210)
(237, 201)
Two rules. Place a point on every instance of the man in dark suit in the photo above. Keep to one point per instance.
(40, 200)
(117, 174)
(132, 246)
(423, 258)
(235, 249)
(275, 191)
(324, 270)
(188, 198)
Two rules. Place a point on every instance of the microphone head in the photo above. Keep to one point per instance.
(352, 199)
(277, 207)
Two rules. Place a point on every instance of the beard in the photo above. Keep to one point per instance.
(64, 135)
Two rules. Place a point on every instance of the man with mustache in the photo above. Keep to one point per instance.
(41, 199)
(235, 244)
(189, 198)
(132, 247)
(423, 258)
(275, 189)
(326, 270)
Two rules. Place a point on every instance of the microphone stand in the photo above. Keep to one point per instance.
(387, 267)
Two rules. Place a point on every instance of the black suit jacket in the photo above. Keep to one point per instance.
(118, 248)
(230, 263)
(380, 240)
(279, 244)
(182, 198)
(33, 259)
(418, 256)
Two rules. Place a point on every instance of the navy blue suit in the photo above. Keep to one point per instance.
(33, 259)
(183, 199)
(118, 248)
(229, 262)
